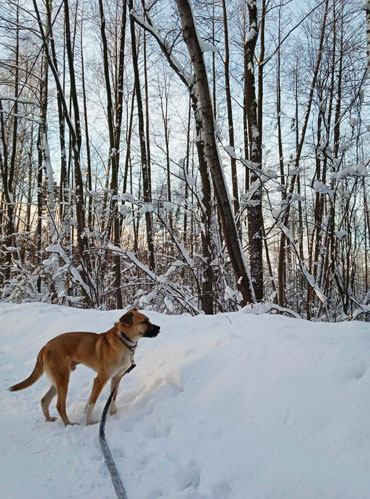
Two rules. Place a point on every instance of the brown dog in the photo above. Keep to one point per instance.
(110, 354)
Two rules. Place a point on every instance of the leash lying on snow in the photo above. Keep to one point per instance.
(116, 479)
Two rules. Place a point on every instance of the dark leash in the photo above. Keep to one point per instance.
(109, 461)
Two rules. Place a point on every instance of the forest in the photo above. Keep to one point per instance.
(186, 156)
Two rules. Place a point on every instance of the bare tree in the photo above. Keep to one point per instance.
(255, 219)
(230, 232)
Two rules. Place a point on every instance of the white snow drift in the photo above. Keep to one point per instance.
(233, 406)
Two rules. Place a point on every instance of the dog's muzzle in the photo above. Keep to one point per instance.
(152, 332)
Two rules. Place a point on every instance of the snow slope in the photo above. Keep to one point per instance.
(234, 406)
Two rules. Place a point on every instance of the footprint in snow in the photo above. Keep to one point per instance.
(187, 476)
(161, 428)
(222, 490)
(359, 371)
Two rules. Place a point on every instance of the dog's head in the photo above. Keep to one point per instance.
(136, 325)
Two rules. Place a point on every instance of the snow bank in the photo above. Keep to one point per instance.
(233, 406)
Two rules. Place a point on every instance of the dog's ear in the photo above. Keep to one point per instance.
(127, 318)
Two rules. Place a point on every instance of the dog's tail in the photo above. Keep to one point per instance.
(33, 377)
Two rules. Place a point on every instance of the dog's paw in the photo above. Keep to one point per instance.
(91, 422)
(113, 409)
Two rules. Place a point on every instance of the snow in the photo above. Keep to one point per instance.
(322, 188)
(230, 151)
(340, 234)
(252, 33)
(351, 171)
(231, 406)
(208, 47)
(21, 100)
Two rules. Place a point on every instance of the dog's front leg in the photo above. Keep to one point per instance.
(114, 382)
(99, 383)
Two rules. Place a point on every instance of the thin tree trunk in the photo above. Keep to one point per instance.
(76, 139)
(143, 150)
(234, 173)
(367, 11)
(255, 219)
(87, 140)
(245, 111)
(147, 127)
(8, 162)
(286, 215)
(114, 126)
(282, 266)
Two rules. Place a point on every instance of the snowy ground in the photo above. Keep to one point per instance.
(234, 406)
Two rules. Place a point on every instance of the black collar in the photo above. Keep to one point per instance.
(130, 344)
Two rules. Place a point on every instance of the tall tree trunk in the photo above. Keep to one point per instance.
(255, 219)
(61, 118)
(76, 139)
(206, 213)
(282, 266)
(245, 112)
(147, 120)
(234, 173)
(143, 149)
(87, 140)
(287, 203)
(114, 126)
(367, 11)
(8, 196)
(8, 161)
(231, 235)
(9, 187)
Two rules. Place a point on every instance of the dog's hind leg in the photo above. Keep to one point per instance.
(45, 402)
(58, 371)
(62, 388)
